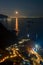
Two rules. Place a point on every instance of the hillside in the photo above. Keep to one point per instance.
(7, 37)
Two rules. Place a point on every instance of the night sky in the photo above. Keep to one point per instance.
(25, 7)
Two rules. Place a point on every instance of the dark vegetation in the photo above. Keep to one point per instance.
(7, 37)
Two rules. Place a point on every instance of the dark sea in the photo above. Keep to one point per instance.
(28, 28)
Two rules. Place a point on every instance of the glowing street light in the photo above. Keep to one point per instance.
(36, 46)
(28, 35)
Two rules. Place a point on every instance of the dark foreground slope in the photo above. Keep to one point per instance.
(6, 37)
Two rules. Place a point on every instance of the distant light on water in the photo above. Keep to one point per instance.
(9, 19)
(28, 35)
